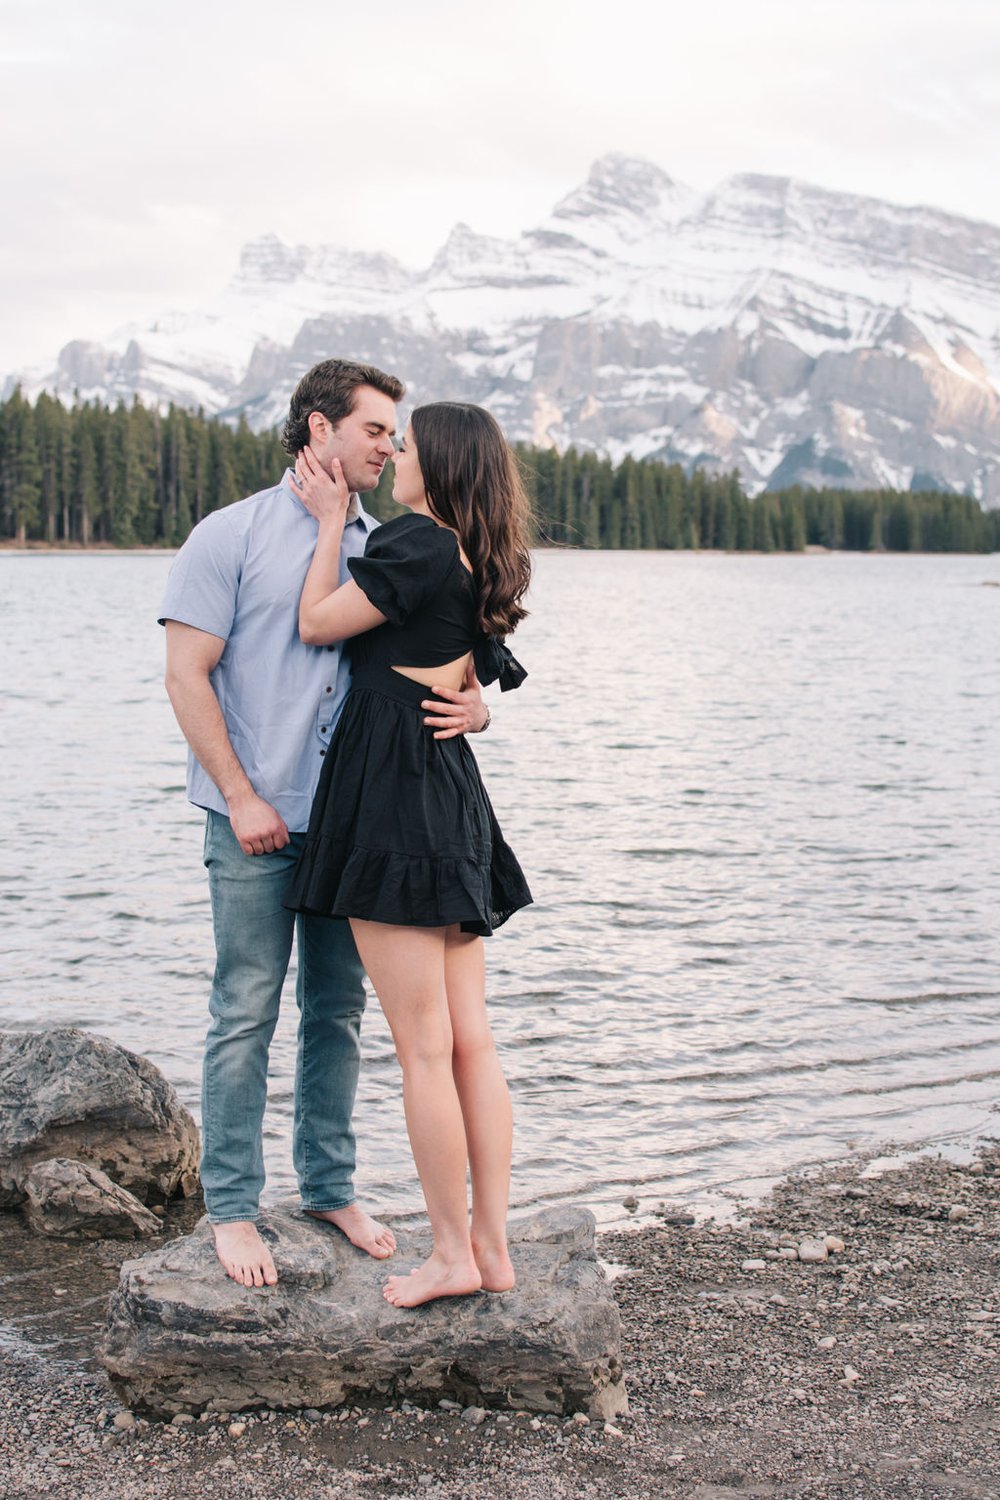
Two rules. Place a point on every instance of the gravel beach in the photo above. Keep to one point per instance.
(754, 1369)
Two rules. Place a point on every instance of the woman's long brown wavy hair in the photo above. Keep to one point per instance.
(472, 484)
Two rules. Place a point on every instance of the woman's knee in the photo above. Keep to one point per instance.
(425, 1046)
(472, 1044)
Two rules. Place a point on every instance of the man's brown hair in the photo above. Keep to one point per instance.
(331, 388)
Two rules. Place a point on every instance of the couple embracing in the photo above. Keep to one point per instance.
(325, 672)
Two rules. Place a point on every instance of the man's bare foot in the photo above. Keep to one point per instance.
(495, 1268)
(243, 1253)
(361, 1229)
(437, 1277)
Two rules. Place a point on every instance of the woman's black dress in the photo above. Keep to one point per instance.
(401, 828)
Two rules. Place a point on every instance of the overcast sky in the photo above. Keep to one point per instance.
(141, 150)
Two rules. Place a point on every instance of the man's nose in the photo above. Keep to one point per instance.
(385, 446)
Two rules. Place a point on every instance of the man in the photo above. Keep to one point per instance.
(257, 708)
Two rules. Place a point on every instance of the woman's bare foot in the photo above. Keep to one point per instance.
(437, 1277)
(495, 1268)
(361, 1229)
(243, 1253)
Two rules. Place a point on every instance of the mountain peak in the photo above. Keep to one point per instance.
(618, 182)
(268, 258)
(736, 327)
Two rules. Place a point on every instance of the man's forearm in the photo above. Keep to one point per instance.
(198, 713)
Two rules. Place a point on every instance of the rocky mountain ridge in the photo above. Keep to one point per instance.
(799, 334)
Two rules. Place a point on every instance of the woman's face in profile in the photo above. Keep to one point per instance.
(408, 483)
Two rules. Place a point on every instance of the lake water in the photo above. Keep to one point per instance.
(758, 801)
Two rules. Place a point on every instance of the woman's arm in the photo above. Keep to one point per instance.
(328, 610)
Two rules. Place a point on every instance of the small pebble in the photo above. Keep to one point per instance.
(534, 1424)
(957, 1213)
(124, 1421)
(834, 1244)
(236, 1429)
(447, 1405)
(631, 1202)
(312, 1415)
(753, 1265)
(474, 1415)
(850, 1375)
(812, 1251)
(788, 1252)
(181, 1419)
(610, 1430)
(826, 1343)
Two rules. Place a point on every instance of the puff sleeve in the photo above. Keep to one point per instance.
(404, 564)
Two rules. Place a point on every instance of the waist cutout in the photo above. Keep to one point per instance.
(391, 684)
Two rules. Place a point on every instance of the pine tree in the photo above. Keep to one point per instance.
(20, 485)
(85, 491)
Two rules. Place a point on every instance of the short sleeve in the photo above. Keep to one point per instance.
(205, 578)
(404, 564)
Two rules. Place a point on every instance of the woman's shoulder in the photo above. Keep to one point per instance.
(413, 534)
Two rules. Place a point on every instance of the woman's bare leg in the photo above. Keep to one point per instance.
(407, 967)
(482, 1090)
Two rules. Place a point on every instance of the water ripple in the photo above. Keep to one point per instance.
(767, 872)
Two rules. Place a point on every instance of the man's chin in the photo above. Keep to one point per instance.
(363, 484)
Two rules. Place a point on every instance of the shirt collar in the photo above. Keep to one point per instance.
(355, 510)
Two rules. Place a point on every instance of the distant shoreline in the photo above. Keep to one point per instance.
(106, 549)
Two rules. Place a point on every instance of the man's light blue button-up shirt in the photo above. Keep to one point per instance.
(239, 576)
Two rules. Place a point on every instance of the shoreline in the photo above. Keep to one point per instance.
(868, 1375)
(811, 549)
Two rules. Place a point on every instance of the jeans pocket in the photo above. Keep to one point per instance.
(207, 853)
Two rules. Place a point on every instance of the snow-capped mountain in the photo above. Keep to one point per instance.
(798, 334)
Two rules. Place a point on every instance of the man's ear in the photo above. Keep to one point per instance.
(319, 427)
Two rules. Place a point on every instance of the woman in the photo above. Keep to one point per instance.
(402, 838)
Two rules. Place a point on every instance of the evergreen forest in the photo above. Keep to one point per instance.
(88, 475)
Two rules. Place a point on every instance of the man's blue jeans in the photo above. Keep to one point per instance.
(253, 941)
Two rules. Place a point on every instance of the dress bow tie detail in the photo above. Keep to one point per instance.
(495, 662)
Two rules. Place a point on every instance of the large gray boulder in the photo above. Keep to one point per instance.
(67, 1093)
(182, 1337)
(71, 1199)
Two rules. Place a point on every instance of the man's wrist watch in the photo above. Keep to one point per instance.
(489, 720)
